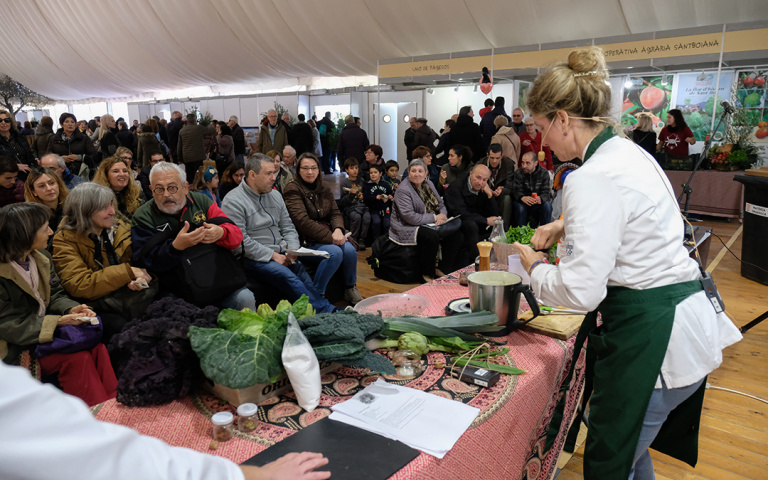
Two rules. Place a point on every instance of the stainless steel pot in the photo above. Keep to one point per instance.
(499, 293)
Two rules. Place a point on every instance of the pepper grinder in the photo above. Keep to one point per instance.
(485, 255)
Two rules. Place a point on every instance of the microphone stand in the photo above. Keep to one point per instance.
(687, 190)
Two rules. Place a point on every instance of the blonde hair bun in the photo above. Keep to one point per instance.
(588, 60)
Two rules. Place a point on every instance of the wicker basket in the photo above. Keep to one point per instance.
(503, 251)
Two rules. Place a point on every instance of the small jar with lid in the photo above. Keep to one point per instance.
(223, 426)
(246, 417)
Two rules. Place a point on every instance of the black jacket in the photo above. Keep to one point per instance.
(301, 138)
(352, 143)
(77, 144)
(109, 143)
(467, 133)
(17, 148)
(173, 135)
(487, 126)
(424, 137)
(460, 200)
(238, 137)
(410, 133)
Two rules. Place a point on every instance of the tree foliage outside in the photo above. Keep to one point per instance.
(14, 93)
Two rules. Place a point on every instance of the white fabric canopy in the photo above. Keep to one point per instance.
(72, 50)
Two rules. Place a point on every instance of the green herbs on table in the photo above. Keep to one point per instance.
(523, 235)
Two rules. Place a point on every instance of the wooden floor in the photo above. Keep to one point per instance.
(734, 429)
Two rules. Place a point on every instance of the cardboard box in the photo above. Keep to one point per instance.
(260, 392)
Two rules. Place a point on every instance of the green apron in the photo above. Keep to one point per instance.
(624, 358)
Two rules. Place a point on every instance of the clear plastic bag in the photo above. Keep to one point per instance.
(301, 366)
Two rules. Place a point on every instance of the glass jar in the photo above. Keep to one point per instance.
(407, 363)
(246, 417)
(222, 426)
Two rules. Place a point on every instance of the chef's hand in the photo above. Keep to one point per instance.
(294, 466)
(546, 235)
(528, 255)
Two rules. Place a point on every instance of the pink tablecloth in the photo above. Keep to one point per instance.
(506, 443)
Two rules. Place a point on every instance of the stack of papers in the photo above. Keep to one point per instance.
(308, 252)
(423, 421)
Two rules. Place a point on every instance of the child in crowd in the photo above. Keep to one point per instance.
(392, 170)
(11, 188)
(355, 212)
(207, 182)
(377, 194)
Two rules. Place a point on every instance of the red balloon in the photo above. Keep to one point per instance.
(486, 87)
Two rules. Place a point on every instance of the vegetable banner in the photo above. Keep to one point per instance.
(696, 99)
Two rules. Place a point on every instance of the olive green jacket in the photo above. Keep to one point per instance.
(20, 326)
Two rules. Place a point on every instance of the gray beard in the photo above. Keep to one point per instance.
(170, 211)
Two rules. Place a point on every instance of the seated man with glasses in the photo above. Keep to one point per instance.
(175, 209)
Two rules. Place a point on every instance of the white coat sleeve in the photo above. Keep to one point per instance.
(51, 435)
(594, 219)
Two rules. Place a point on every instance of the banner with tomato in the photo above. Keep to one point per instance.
(648, 95)
(751, 92)
(695, 98)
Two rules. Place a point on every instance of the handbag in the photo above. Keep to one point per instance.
(394, 263)
(72, 339)
(125, 302)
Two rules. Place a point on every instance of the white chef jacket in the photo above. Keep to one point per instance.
(50, 435)
(623, 228)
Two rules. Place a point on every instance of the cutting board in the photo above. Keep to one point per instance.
(552, 325)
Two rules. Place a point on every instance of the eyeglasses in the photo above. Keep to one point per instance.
(310, 169)
(6, 120)
(161, 190)
(516, 115)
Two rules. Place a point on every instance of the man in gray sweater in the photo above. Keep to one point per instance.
(268, 233)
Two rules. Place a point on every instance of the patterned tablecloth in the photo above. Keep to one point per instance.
(505, 442)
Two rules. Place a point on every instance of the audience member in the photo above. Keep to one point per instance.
(644, 135)
(238, 139)
(424, 136)
(378, 194)
(34, 305)
(143, 176)
(531, 190)
(135, 126)
(32, 413)
(675, 136)
(499, 185)
(391, 170)
(231, 179)
(57, 164)
(433, 172)
(115, 174)
(487, 107)
(317, 147)
(353, 209)
(173, 128)
(467, 133)
(125, 138)
(268, 234)
(42, 136)
(224, 148)
(72, 145)
(517, 121)
(273, 135)
(184, 214)
(301, 136)
(283, 174)
(11, 188)
(487, 126)
(353, 141)
(416, 206)
(317, 218)
(466, 198)
(92, 256)
(408, 136)
(438, 155)
(530, 141)
(190, 147)
(108, 136)
(207, 182)
(459, 162)
(146, 143)
(507, 138)
(46, 187)
(324, 128)
(12, 145)
(289, 158)
(372, 155)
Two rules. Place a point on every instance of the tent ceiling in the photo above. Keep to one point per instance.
(72, 50)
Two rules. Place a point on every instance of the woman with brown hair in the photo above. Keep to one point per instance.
(42, 135)
(147, 142)
(231, 178)
(318, 221)
(115, 173)
(44, 186)
(624, 258)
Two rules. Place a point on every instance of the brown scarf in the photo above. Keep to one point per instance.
(428, 197)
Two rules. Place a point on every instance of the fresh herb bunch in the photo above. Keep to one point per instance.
(523, 235)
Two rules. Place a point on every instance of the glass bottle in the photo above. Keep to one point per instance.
(246, 417)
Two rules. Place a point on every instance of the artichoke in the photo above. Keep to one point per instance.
(413, 341)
